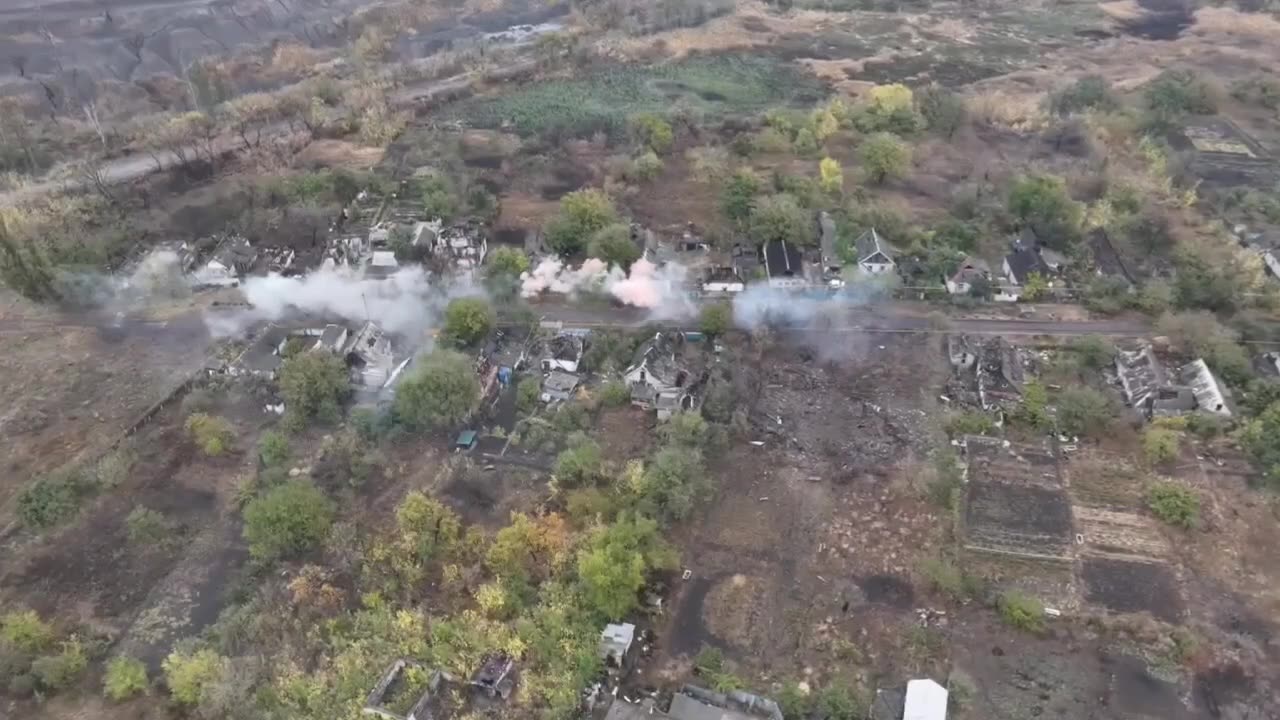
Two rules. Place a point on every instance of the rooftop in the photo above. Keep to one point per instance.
(782, 259)
(868, 245)
(1023, 262)
(926, 700)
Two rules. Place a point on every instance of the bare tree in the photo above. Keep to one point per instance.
(15, 131)
(91, 172)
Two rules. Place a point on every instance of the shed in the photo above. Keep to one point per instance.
(466, 440)
(926, 700)
(615, 642)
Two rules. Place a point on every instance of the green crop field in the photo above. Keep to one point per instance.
(602, 101)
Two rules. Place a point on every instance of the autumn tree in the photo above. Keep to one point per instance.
(653, 132)
(250, 114)
(530, 548)
(439, 393)
(427, 526)
(830, 176)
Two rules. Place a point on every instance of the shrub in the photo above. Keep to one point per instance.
(1095, 352)
(969, 422)
(467, 321)
(840, 701)
(1174, 504)
(1021, 611)
(1084, 411)
(581, 214)
(716, 319)
(830, 176)
(780, 217)
(527, 393)
(56, 672)
(884, 157)
(146, 526)
(943, 111)
(24, 630)
(945, 485)
(646, 166)
(187, 675)
(1175, 93)
(49, 500)
(652, 132)
(1159, 445)
(212, 434)
(614, 393)
(125, 677)
(286, 520)
(943, 576)
(273, 448)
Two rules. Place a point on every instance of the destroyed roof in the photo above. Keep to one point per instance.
(869, 246)
(722, 274)
(565, 346)
(615, 641)
(1141, 374)
(1023, 262)
(970, 269)
(235, 252)
(1105, 257)
(657, 358)
(262, 356)
(782, 259)
(560, 382)
(926, 700)
(1210, 395)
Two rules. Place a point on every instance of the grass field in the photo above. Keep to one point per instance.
(602, 101)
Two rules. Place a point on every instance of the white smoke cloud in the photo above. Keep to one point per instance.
(407, 302)
(662, 290)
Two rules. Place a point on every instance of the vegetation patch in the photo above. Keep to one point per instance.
(603, 101)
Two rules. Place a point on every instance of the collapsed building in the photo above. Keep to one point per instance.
(443, 696)
(1153, 391)
(658, 380)
(367, 351)
(232, 258)
(695, 703)
(989, 373)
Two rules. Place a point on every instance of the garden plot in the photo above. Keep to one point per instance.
(1015, 503)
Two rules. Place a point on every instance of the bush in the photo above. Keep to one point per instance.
(467, 321)
(1175, 93)
(943, 576)
(1091, 92)
(56, 672)
(1174, 504)
(1261, 439)
(1084, 411)
(738, 197)
(24, 630)
(125, 677)
(212, 434)
(840, 701)
(884, 157)
(1022, 612)
(969, 422)
(944, 111)
(49, 500)
(187, 675)
(716, 319)
(1159, 445)
(646, 167)
(947, 481)
(652, 132)
(286, 520)
(615, 393)
(146, 527)
(527, 394)
(313, 384)
(440, 393)
(1094, 352)
(273, 448)
(580, 464)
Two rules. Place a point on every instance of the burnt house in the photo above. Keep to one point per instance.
(496, 676)
(658, 380)
(1152, 391)
(564, 352)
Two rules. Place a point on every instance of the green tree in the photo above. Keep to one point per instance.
(1041, 203)
(468, 320)
(125, 678)
(1033, 411)
(646, 167)
(780, 217)
(673, 481)
(943, 111)
(1084, 411)
(716, 319)
(56, 672)
(507, 262)
(738, 198)
(212, 434)
(614, 561)
(1091, 92)
(1176, 93)
(884, 156)
(25, 631)
(891, 109)
(313, 384)
(1095, 352)
(581, 214)
(189, 674)
(427, 526)
(286, 520)
(273, 448)
(1159, 445)
(653, 132)
(613, 244)
(1174, 504)
(439, 393)
(1261, 439)
(580, 464)
(1035, 287)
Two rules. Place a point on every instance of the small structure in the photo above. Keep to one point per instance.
(435, 703)
(381, 264)
(558, 386)
(466, 440)
(874, 257)
(926, 700)
(615, 642)
(722, 279)
(1210, 395)
(1106, 261)
(1019, 264)
(370, 357)
(233, 258)
(657, 380)
(783, 264)
(463, 246)
(695, 703)
(1141, 375)
(972, 270)
(828, 235)
(1150, 390)
(496, 676)
(564, 352)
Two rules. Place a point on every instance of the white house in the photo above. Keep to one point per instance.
(873, 255)
(926, 700)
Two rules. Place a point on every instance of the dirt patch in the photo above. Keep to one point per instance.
(1123, 586)
(1020, 520)
(887, 590)
(339, 154)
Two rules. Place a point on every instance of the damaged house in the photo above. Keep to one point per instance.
(233, 258)
(564, 352)
(987, 373)
(462, 246)
(695, 703)
(828, 237)
(722, 280)
(1152, 391)
(367, 352)
(657, 379)
(873, 255)
(972, 271)
(402, 694)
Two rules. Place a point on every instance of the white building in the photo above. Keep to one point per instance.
(926, 700)
(874, 257)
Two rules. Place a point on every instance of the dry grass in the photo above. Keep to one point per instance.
(1016, 112)
(340, 154)
(1229, 21)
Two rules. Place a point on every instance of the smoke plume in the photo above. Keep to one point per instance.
(661, 290)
